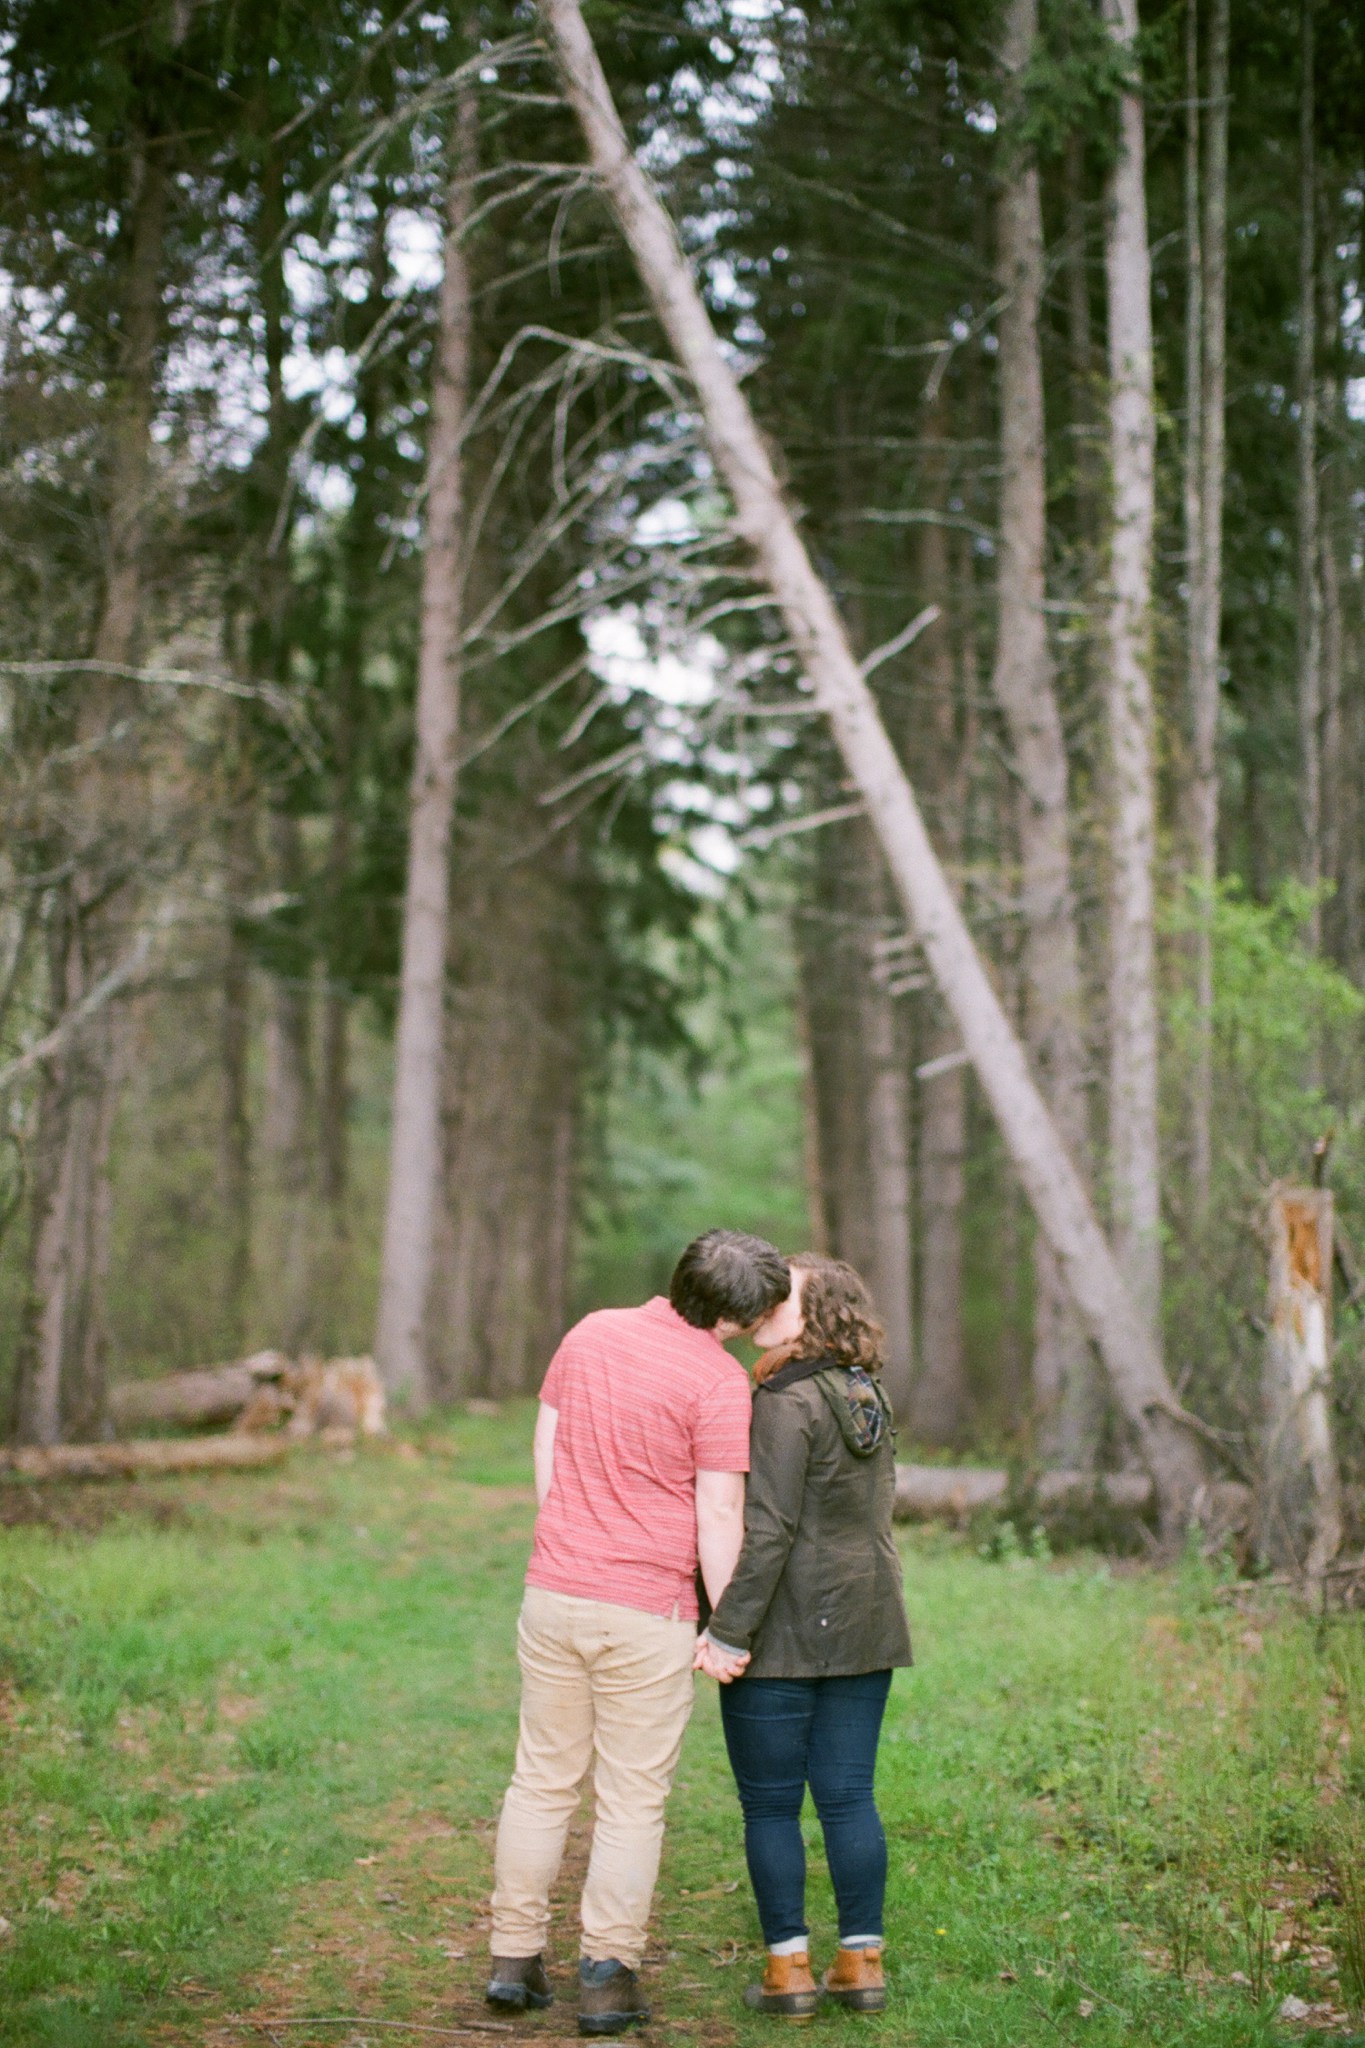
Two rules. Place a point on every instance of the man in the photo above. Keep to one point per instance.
(641, 1446)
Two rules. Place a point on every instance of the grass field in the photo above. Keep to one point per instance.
(255, 1730)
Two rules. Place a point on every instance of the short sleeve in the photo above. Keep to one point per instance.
(552, 1386)
(721, 1437)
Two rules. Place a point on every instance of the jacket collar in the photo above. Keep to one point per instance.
(794, 1370)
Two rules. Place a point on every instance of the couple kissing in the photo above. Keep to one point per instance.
(646, 1430)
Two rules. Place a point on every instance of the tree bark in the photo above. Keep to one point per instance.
(938, 1411)
(940, 1403)
(512, 1089)
(1309, 590)
(287, 1128)
(765, 522)
(859, 1068)
(812, 1147)
(1134, 1162)
(155, 1454)
(234, 1126)
(1209, 282)
(1196, 792)
(61, 1365)
(890, 1181)
(415, 1143)
(361, 546)
(1065, 1392)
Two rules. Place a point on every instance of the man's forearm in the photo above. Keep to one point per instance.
(718, 1549)
(720, 1529)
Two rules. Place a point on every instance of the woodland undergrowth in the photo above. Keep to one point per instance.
(255, 1730)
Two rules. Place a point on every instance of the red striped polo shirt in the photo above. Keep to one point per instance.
(645, 1402)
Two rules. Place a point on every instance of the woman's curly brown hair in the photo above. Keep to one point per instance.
(839, 1321)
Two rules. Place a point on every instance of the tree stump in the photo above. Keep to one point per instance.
(1299, 1506)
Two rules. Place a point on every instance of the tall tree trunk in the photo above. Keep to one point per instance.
(288, 1122)
(890, 1184)
(859, 1069)
(1201, 1077)
(62, 1362)
(288, 1035)
(1337, 778)
(415, 1143)
(1209, 281)
(1134, 1161)
(764, 520)
(359, 553)
(939, 1407)
(234, 1128)
(512, 1088)
(1068, 1411)
(812, 1147)
(1309, 590)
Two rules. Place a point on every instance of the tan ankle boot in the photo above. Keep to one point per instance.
(855, 1979)
(788, 1990)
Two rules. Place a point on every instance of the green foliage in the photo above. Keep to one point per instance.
(1073, 82)
(1286, 1047)
(1282, 1016)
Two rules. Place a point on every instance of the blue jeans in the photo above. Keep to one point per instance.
(784, 1734)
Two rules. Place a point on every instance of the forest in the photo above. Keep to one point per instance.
(431, 889)
(617, 619)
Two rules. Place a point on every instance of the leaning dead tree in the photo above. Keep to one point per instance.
(765, 522)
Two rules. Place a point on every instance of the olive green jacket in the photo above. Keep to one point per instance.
(817, 1590)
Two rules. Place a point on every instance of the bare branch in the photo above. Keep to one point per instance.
(95, 998)
(898, 642)
(763, 836)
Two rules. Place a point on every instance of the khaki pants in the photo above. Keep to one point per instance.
(602, 1682)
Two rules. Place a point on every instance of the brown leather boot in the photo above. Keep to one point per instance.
(609, 1998)
(519, 1983)
(788, 1990)
(855, 1979)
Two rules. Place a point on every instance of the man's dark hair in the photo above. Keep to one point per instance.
(725, 1276)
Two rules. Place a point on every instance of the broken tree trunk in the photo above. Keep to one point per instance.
(1299, 1518)
(764, 520)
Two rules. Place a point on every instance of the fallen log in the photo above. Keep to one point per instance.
(308, 1395)
(929, 1493)
(207, 1396)
(149, 1454)
(926, 1493)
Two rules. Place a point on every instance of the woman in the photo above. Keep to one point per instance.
(809, 1629)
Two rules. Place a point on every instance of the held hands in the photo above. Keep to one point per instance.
(723, 1665)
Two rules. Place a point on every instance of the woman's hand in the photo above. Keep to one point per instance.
(722, 1665)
